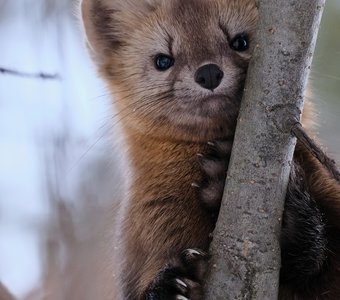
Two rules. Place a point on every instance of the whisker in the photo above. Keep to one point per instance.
(136, 92)
(87, 151)
(144, 102)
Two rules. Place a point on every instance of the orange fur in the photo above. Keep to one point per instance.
(162, 215)
(167, 125)
(164, 134)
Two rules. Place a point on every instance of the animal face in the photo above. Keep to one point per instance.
(175, 68)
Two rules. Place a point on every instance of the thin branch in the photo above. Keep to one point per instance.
(327, 162)
(40, 75)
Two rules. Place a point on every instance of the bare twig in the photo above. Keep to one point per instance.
(327, 162)
(40, 75)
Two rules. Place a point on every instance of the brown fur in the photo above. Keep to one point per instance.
(325, 190)
(163, 214)
(168, 120)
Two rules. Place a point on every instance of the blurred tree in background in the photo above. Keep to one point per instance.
(325, 79)
(56, 157)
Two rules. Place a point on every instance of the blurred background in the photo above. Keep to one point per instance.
(58, 166)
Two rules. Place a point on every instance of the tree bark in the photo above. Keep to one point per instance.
(245, 250)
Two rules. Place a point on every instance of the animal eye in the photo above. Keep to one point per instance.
(240, 43)
(163, 62)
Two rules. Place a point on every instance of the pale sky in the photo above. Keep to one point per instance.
(33, 111)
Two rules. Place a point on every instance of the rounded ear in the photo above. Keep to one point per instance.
(98, 22)
(106, 22)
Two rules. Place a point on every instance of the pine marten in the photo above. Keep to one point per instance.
(176, 70)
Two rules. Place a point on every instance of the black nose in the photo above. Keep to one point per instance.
(209, 76)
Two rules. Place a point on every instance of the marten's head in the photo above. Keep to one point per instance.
(176, 68)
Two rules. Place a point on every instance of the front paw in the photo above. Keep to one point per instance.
(181, 279)
(214, 164)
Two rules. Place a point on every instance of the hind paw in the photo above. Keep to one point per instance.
(181, 279)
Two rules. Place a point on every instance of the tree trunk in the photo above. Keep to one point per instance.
(245, 249)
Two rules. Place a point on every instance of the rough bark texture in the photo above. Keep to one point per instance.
(245, 249)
